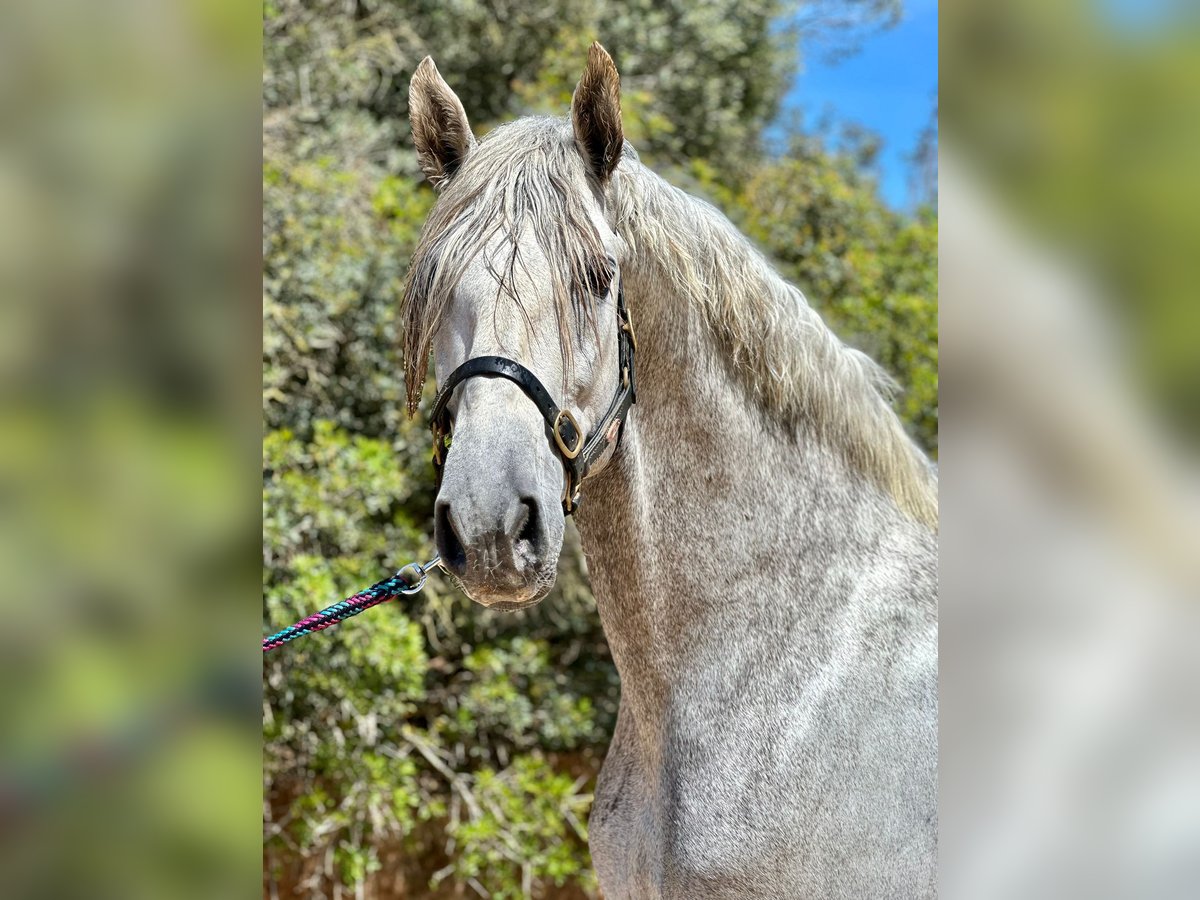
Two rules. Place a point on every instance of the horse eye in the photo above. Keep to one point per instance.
(599, 278)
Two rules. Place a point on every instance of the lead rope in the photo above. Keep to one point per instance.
(398, 585)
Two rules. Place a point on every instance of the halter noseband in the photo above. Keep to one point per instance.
(576, 454)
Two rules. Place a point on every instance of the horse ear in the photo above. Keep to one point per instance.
(596, 113)
(440, 128)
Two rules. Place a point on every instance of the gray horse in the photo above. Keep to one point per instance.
(762, 537)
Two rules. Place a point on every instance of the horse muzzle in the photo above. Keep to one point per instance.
(499, 545)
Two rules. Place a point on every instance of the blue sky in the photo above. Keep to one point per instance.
(889, 86)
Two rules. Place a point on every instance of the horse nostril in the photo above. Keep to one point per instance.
(449, 544)
(528, 530)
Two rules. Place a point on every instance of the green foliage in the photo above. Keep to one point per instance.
(456, 743)
(528, 826)
(335, 248)
(513, 696)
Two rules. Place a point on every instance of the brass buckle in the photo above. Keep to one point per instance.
(627, 325)
(568, 452)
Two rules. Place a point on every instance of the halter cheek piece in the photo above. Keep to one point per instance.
(576, 453)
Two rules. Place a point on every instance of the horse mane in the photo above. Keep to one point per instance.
(528, 175)
(787, 356)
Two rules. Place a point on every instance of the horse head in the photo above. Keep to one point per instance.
(514, 289)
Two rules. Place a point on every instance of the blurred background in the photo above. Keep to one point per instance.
(1070, 542)
(129, 263)
(435, 749)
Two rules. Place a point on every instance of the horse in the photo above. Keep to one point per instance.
(760, 531)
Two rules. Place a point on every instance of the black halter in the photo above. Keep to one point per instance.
(576, 454)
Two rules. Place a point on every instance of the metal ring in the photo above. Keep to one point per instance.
(422, 573)
(566, 451)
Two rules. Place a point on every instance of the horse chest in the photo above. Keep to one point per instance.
(698, 816)
(786, 792)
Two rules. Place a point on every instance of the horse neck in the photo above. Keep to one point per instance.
(714, 519)
(710, 519)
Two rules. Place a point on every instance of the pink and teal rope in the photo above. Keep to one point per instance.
(380, 592)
